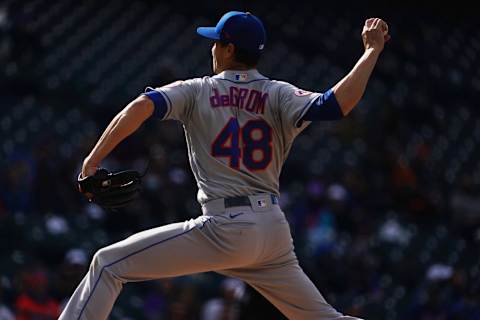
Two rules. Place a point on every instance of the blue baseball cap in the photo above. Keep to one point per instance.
(243, 29)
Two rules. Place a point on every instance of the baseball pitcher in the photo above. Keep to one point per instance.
(239, 126)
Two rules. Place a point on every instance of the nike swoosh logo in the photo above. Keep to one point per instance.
(234, 215)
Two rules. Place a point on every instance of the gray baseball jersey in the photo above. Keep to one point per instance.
(239, 127)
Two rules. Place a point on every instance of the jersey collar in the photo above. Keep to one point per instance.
(241, 76)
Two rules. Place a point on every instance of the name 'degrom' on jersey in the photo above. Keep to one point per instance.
(250, 100)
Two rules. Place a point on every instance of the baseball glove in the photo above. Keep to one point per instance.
(111, 190)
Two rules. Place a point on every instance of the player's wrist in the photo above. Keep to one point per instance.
(90, 161)
(89, 167)
(372, 53)
(373, 50)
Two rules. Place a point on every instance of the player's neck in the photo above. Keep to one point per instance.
(237, 67)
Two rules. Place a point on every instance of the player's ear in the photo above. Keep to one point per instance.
(230, 50)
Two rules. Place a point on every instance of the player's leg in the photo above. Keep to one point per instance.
(289, 289)
(198, 245)
(279, 278)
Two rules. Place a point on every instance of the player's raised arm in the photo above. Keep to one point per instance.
(350, 89)
(123, 124)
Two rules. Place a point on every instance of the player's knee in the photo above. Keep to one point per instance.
(100, 258)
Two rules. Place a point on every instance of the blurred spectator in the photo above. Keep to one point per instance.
(407, 190)
(157, 300)
(70, 273)
(17, 191)
(185, 305)
(465, 203)
(439, 272)
(5, 41)
(5, 312)
(225, 307)
(322, 232)
(34, 301)
(393, 232)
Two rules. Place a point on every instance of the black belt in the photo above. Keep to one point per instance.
(244, 201)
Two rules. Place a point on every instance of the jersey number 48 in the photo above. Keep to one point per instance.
(251, 143)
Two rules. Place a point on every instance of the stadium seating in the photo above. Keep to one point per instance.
(400, 156)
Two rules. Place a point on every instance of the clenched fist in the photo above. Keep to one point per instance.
(375, 34)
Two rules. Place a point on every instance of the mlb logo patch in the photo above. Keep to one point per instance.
(241, 77)
(261, 203)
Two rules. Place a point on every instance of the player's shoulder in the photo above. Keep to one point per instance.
(184, 84)
(281, 84)
(197, 80)
(286, 88)
(202, 81)
(280, 87)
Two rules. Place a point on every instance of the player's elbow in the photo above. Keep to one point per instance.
(347, 105)
(133, 115)
(137, 111)
(347, 97)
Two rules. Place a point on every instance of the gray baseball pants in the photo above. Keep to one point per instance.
(252, 243)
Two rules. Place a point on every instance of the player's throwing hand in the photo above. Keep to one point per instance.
(375, 34)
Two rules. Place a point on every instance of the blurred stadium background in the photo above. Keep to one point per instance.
(384, 205)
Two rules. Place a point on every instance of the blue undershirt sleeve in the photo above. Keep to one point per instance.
(325, 107)
(159, 102)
